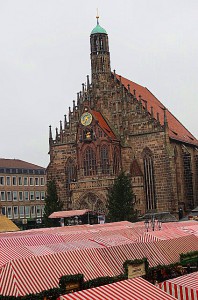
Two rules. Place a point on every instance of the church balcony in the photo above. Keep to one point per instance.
(91, 183)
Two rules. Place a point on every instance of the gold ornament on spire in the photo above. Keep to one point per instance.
(97, 17)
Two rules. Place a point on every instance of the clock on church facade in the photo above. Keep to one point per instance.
(117, 125)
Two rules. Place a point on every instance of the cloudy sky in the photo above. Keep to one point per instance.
(44, 59)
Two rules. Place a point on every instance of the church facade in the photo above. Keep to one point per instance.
(117, 125)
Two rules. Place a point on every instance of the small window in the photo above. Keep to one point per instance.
(9, 212)
(31, 181)
(37, 194)
(9, 196)
(1, 180)
(21, 211)
(15, 198)
(27, 211)
(26, 194)
(42, 195)
(32, 211)
(36, 181)
(25, 181)
(38, 211)
(14, 182)
(2, 195)
(20, 181)
(20, 196)
(8, 180)
(3, 210)
(42, 181)
(31, 196)
(42, 210)
(15, 212)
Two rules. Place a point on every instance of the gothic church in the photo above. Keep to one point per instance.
(116, 125)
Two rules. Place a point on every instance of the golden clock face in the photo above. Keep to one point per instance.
(86, 118)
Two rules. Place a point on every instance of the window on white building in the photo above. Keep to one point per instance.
(20, 180)
(37, 195)
(15, 198)
(25, 181)
(14, 181)
(21, 211)
(20, 196)
(9, 212)
(2, 180)
(31, 196)
(42, 195)
(27, 211)
(2, 196)
(42, 181)
(42, 209)
(9, 196)
(31, 181)
(15, 212)
(8, 180)
(26, 195)
(32, 211)
(38, 211)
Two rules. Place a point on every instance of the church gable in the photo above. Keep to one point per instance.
(93, 126)
(97, 145)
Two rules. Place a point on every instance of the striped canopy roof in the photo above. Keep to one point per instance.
(34, 260)
(131, 289)
(183, 288)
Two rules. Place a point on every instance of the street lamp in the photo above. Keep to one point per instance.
(153, 222)
(146, 223)
(159, 222)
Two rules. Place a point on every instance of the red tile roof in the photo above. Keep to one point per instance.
(176, 130)
(18, 164)
(103, 124)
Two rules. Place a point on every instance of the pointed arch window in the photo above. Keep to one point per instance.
(105, 160)
(188, 177)
(116, 162)
(149, 179)
(89, 158)
(70, 171)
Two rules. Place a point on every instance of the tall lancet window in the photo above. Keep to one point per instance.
(116, 161)
(149, 179)
(105, 160)
(89, 158)
(70, 171)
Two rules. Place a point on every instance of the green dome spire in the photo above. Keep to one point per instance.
(98, 28)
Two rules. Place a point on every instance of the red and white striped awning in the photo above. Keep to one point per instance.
(131, 289)
(166, 234)
(182, 288)
(93, 250)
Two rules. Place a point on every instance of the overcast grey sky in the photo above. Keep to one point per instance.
(44, 59)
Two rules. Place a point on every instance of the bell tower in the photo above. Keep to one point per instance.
(100, 56)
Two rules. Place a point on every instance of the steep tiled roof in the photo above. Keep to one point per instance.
(18, 164)
(103, 124)
(176, 130)
(7, 225)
